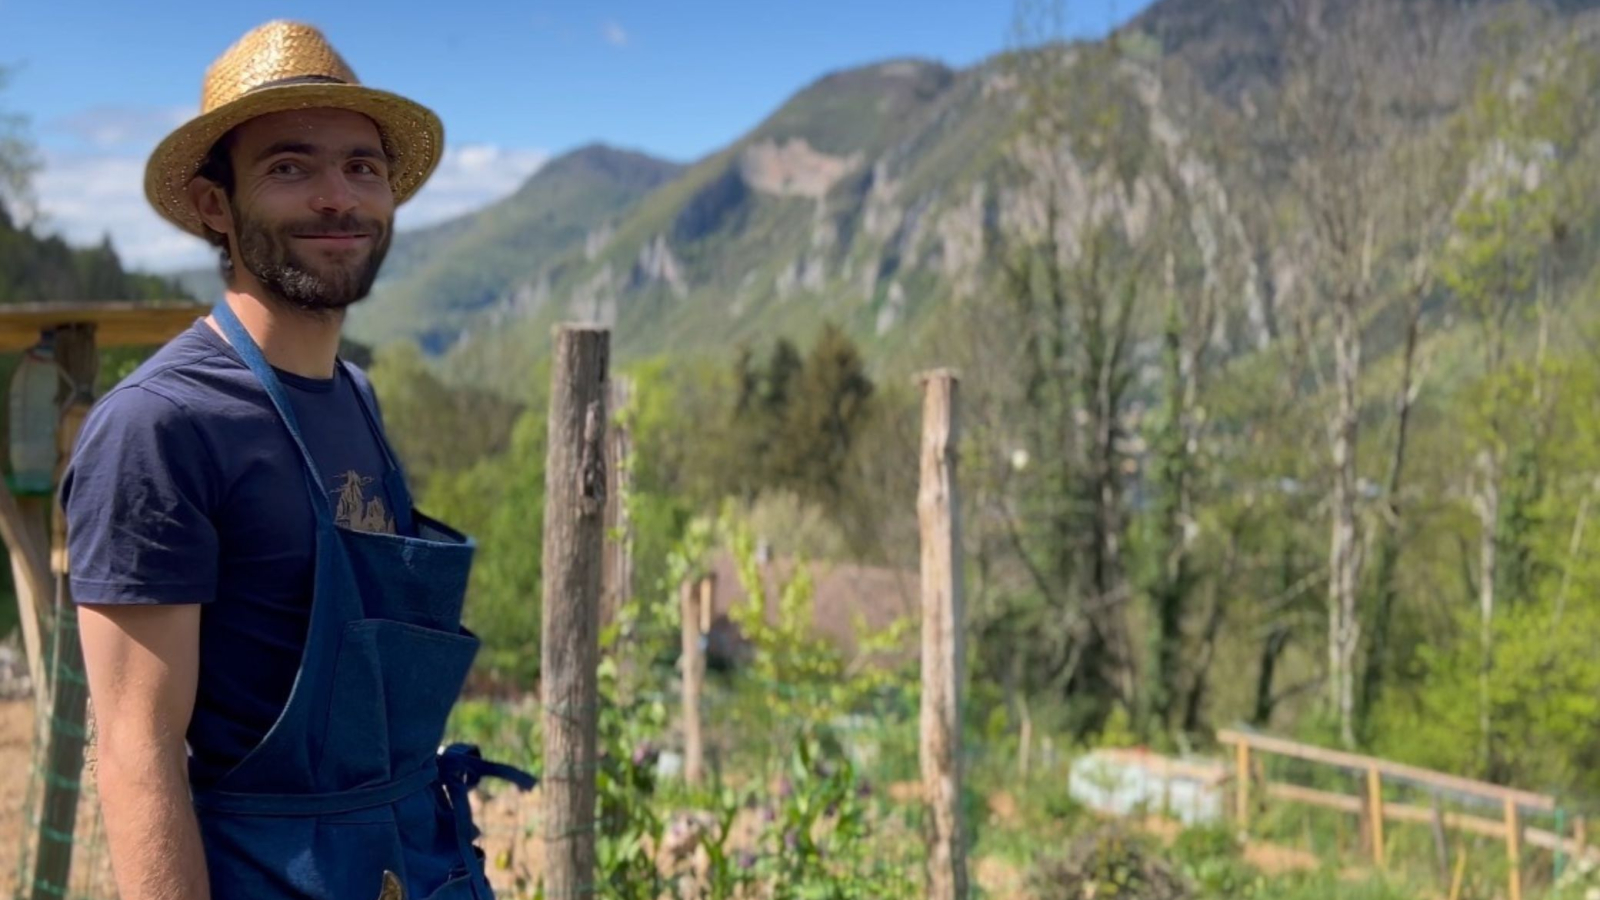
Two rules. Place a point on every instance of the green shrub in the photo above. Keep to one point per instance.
(1206, 842)
(1110, 862)
(1211, 856)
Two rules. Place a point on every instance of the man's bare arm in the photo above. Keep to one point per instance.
(143, 664)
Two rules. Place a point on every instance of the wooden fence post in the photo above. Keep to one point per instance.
(1375, 809)
(708, 600)
(575, 497)
(616, 572)
(22, 527)
(938, 513)
(1580, 838)
(1514, 848)
(1025, 740)
(67, 688)
(1241, 776)
(693, 663)
(1441, 842)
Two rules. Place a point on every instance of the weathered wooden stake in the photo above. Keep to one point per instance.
(938, 512)
(708, 597)
(1514, 848)
(693, 662)
(23, 528)
(575, 498)
(1025, 740)
(616, 573)
(1441, 842)
(1241, 777)
(1375, 810)
(67, 729)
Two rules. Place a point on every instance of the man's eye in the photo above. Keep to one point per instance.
(365, 168)
(285, 168)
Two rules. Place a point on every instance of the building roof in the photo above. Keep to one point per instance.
(845, 595)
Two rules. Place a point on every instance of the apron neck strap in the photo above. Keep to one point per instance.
(247, 348)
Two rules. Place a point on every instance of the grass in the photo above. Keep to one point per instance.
(1017, 827)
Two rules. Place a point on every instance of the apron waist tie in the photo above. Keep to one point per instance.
(458, 768)
(461, 767)
(316, 804)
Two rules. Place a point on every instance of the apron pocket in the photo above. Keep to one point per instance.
(393, 686)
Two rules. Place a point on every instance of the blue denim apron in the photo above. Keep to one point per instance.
(350, 782)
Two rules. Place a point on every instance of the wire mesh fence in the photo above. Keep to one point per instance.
(62, 852)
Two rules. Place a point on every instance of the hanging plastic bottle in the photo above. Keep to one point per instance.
(35, 415)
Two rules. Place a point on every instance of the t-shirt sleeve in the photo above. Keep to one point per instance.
(138, 496)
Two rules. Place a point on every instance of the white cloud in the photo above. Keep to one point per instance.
(85, 196)
(614, 33)
(110, 128)
(469, 177)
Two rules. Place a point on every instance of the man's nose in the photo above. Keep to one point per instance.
(333, 193)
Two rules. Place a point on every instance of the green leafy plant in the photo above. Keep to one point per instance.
(1211, 856)
(818, 842)
(1108, 863)
(629, 823)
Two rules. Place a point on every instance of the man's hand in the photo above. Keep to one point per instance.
(143, 663)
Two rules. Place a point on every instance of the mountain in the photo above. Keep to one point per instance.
(1233, 46)
(491, 263)
(870, 198)
(861, 199)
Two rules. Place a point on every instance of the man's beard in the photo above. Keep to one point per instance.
(267, 254)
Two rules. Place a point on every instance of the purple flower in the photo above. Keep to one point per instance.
(644, 754)
(791, 840)
(747, 860)
(863, 789)
(768, 814)
(785, 789)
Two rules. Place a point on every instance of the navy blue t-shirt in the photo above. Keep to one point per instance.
(185, 487)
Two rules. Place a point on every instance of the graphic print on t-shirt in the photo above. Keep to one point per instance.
(354, 510)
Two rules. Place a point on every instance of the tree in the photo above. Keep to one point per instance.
(438, 428)
(1335, 122)
(1526, 129)
(760, 416)
(18, 161)
(496, 500)
(1426, 167)
(830, 401)
(1078, 266)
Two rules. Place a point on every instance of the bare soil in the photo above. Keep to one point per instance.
(16, 766)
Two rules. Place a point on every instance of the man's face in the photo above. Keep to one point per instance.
(313, 212)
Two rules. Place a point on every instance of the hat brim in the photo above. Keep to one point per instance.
(412, 135)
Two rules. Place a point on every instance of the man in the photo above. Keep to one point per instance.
(271, 632)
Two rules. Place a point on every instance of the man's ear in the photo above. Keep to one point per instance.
(212, 204)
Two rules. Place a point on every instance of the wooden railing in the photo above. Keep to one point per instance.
(1512, 802)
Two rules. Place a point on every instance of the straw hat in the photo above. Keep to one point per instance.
(284, 66)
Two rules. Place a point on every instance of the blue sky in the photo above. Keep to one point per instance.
(102, 82)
